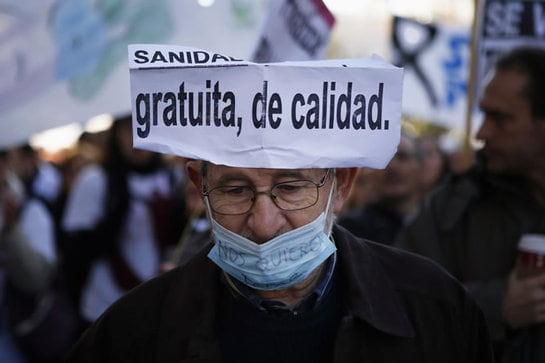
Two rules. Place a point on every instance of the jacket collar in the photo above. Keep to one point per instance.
(371, 295)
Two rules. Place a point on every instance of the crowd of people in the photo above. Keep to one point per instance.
(96, 226)
(87, 229)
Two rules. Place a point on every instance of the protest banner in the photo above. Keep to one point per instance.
(505, 24)
(294, 30)
(64, 62)
(436, 62)
(205, 105)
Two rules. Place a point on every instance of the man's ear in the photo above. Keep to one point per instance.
(345, 178)
(194, 173)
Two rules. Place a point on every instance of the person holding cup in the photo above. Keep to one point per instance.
(473, 222)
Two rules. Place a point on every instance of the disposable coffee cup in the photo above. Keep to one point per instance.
(531, 249)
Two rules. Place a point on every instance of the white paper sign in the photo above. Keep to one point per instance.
(436, 61)
(294, 30)
(66, 61)
(209, 106)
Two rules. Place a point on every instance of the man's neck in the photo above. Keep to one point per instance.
(293, 295)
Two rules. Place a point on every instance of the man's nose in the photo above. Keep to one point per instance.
(265, 219)
(484, 131)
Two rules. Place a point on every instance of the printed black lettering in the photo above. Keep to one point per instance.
(260, 101)
(343, 104)
(216, 57)
(143, 114)
(158, 57)
(156, 100)
(332, 105)
(195, 109)
(275, 108)
(141, 56)
(358, 118)
(313, 114)
(186, 108)
(340, 110)
(297, 122)
(181, 105)
(324, 106)
(169, 112)
(375, 123)
(216, 96)
(200, 57)
(174, 57)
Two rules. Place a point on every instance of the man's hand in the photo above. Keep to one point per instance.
(524, 302)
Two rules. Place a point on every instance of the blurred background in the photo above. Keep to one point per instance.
(64, 72)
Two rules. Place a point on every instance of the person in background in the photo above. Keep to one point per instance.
(118, 219)
(283, 283)
(434, 164)
(473, 222)
(397, 196)
(362, 193)
(41, 178)
(27, 263)
(196, 231)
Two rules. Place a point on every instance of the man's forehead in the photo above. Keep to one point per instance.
(507, 83)
(228, 172)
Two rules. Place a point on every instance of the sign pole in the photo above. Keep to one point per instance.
(472, 81)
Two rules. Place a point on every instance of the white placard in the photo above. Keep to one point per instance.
(205, 105)
(66, 61)
(436, 60)
(294, 30)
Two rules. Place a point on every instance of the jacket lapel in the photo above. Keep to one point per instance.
(370, 294)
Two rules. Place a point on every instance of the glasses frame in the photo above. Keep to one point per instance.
(320, 184)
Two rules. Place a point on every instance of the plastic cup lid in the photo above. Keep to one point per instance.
(532, 243)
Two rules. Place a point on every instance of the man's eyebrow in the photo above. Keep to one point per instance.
(494, 112)
(297, 174)
(229, 179)
(233, 178)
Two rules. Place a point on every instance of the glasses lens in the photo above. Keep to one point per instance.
(295, 195)
(231, 199)
(292, 195)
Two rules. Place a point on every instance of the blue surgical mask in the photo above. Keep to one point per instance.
(277, 264)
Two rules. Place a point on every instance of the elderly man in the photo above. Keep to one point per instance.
(278, 286)
(280, 282)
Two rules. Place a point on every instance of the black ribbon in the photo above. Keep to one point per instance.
(409, 58)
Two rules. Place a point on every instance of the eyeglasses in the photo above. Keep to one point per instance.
(290, 195)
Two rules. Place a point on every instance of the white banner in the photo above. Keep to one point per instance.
(204, 105)
(436, 62)
(65, 61)
(294, 30)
